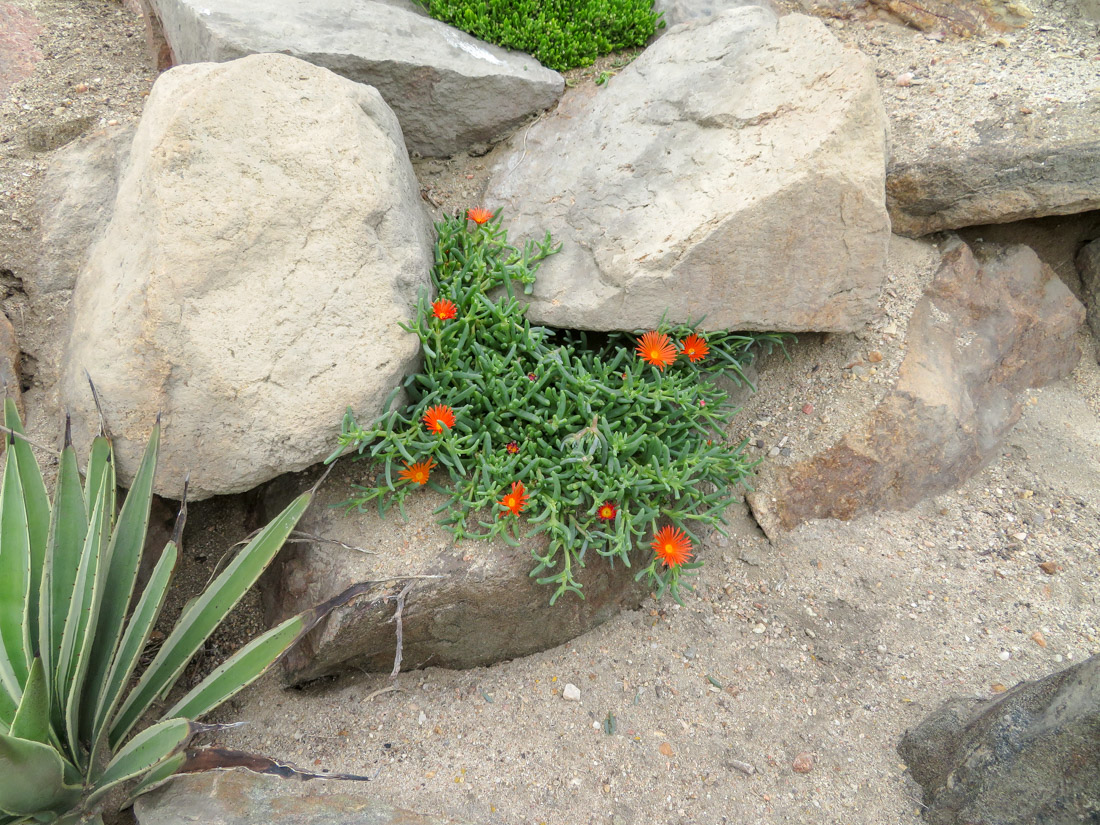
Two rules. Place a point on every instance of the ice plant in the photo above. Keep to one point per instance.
(417, 473)
(444, 310)
(479, 215)
(672, 546)
(572, 430)
(655, 348)
(439, 418)
(695, 348)
(515, 500)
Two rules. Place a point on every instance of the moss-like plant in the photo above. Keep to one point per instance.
(71, 642)
(560, 34)
(603, 441)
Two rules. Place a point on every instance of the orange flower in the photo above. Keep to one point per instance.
(672, 546)
(479, 215)
(607, 511)
(512, 447)
(695, 348)
(438, 417)
(444, 310)
(656, 349)
(515, 500)
(417, 473)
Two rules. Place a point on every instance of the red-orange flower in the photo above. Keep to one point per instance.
(515, 500)
(672, 546)
(417, 473)
(512, 447)
(444, 310)
(695, 348)
(655, 348)
(479, 215)
(439, 417)
(607, 511)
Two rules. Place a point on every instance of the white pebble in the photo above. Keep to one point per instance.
(571, 693)
(1005, 655)
(905, 79)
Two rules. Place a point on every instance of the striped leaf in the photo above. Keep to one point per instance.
(145, 751)
(33, 778)
(14, 579)
(205, 614)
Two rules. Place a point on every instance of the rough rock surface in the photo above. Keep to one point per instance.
(734, 170)
(240, 797)
(18, 52)
(10, 376)
(1028, 757)
(983, 331)
(1088, 265)
(475, 606)
(75, 203)
(448, 89)
(681, 11)
(266, 241)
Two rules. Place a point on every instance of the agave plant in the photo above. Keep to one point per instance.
(70, 640)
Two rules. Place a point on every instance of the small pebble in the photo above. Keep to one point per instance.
(904, 79)
(571, 693)
(1038, 638)
(665, 748)
(803, 763)
(1049, 567)
(874, 356)
(759, 628)
(689, 653)
(773, 452)
(881, 648)
(1004, 655)
(807, 409)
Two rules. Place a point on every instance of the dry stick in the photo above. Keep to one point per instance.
(22, 437)
(400, 629)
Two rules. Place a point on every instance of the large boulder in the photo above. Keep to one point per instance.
(472, 603)
(1088, 265)
(985, 329)
(448, 89)
(734, 170)
(1028, 757)
(266, 242)
(19, 28)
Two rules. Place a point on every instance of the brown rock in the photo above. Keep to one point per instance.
(1088, 266)
(11, 381)
(1049, 567)
(983, 331)
(803, 763)
(475, 605)
(18, 54)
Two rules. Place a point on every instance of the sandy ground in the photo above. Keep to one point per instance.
(819, 649)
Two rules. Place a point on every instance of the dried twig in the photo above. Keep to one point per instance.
(22, 437)
(400, 629)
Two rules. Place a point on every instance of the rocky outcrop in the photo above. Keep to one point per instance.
(1028, 757)
(240, 797)
(448, 89)
(984, 330)
(734, 170)
(11, 379)
(471, 603)
(19, 28)
(265, 244)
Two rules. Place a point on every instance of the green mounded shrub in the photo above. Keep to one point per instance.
(71, 646)
(603, 441)
(560, 34)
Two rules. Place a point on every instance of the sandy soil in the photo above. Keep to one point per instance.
(818, 650)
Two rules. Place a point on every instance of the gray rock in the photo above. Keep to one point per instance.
(675, 12)
(734, 170)
(1028, 757)
(983, 172)
(476, 606)
(983, 331)
(266, 242)
(75, 203)
(240, 797)
(448, 90)
(11, 378)
(1088, 265)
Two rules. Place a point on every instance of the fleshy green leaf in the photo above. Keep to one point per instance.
(137, 633)
(204, 614)
(68, 529)
(158, 775)
(100, 457)
(145, 751)
(14, 579)
(32, 720)
(32, 778)
(118, 574)
(37, 505)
